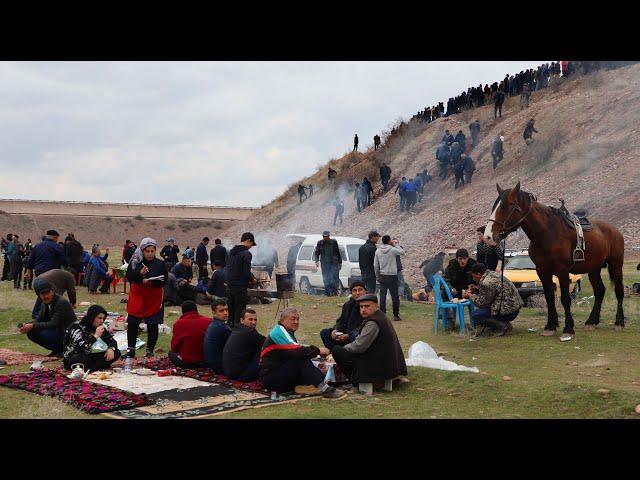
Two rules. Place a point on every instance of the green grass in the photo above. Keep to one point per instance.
(550, 379)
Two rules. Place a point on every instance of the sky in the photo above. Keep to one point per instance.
(203, 133)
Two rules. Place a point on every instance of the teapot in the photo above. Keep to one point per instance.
(77, 371)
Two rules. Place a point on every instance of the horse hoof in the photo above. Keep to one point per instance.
(548, 333)
(618, 328)
(590, 327)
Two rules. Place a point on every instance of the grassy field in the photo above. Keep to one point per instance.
(550, 379)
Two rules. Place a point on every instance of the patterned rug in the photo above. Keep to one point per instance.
(86, 396)
(19, 358)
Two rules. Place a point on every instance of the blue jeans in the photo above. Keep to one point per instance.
(325, 335)
(369, 283)
(330, 279)
(49, 338)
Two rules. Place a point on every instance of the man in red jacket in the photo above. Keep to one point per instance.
(188, 337)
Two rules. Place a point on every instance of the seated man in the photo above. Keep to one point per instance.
(188, 338)
(457, 274)
(346, 328)
(285, 365)
(217, 286)
(55, 315)
(376, 355)
(496, 299)
(216, 336)
(241, 353)
(178, 288)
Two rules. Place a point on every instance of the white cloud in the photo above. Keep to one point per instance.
(224, 133)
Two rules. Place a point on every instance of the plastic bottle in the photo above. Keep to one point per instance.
(127, 365)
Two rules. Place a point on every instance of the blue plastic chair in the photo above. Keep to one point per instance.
(442, 307)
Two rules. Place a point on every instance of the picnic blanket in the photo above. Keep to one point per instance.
(19, 358)
(86, 396)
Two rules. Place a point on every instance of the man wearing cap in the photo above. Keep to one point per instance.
(169, 253)
(375, 355)
(347, 325)
(55, 315)
(46, 255)
(62, 281)
(327, 256)
(239, 276)
(366, 254)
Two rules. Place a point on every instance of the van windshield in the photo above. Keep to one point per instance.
(305, 252)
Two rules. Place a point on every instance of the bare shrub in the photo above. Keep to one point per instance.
(139, 217)
(170, 227)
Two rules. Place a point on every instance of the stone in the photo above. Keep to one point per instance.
(507, 378)
(603, 391)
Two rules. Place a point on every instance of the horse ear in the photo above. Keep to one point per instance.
(513, 194)
(499, 189)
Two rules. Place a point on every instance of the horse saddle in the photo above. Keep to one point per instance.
(580, 223)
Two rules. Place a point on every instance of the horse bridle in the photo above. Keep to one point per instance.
(507, 230)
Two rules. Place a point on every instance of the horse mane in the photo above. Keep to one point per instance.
(528, 197)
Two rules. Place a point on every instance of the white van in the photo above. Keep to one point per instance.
(309, 278)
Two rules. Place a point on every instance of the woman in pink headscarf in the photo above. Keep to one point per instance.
(147, 275)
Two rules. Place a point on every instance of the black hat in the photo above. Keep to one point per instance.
(40, 285)
(53, 233)
(326, 233)
(371, 297)
(248, 236)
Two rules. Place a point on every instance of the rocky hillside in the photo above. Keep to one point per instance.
(587, 152)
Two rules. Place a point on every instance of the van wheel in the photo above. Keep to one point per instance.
(305, 286)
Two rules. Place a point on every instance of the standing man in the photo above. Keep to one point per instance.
(218, 253)
(358, 197)
(169, 253)
(528, 131)
(461, 138)
(488, 253)
(7, 249)
(474, 129)
(201, 260)
(47, 255)
(497, 151)
(411, 194)
(386, 269)
(355, 143)
(239, 276)
(339, 204)
(301, 192)
(292, 257)
(16, 261)
(327, 256)
(385, 176)
(498, 101)
(366, 256)
(468, 167)
(401, 190)
(443, 155)
(73, 251)
(400, 269)
(376, 142)
(367, 191)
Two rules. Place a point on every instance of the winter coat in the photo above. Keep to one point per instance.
(327, 253)
(498, 292)
(366, 256)
(239, 268)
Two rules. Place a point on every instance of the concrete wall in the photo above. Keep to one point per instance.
(103, 209)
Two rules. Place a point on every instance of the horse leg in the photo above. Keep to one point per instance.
(598, 291)
(565, 298)
(550, 297)
(615, 272)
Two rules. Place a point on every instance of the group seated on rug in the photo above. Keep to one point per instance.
(375, 355)
(89, 343)
(241, 354)
(217, 334)
(55, 315)
(346, 328)
(286, 365)
(187, 343)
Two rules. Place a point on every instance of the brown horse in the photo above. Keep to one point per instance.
(551, 250)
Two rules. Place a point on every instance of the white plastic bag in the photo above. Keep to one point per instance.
(422, 355)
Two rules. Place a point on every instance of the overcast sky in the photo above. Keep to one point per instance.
(210, 133)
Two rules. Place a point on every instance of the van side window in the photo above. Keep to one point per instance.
(354, 253)
(306, 252)
(343, 254)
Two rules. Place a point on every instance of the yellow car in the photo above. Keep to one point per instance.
(522, 273)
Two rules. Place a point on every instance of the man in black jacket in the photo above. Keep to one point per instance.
(201, 260)
(73, 251)
(218, 253)
(458, 272)
(327, 255)
(385, 176)
(366, 254)
(239, 276)
(346, 328)
(55, 315)
(241, 354)
(499, 100)
(169, 253)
